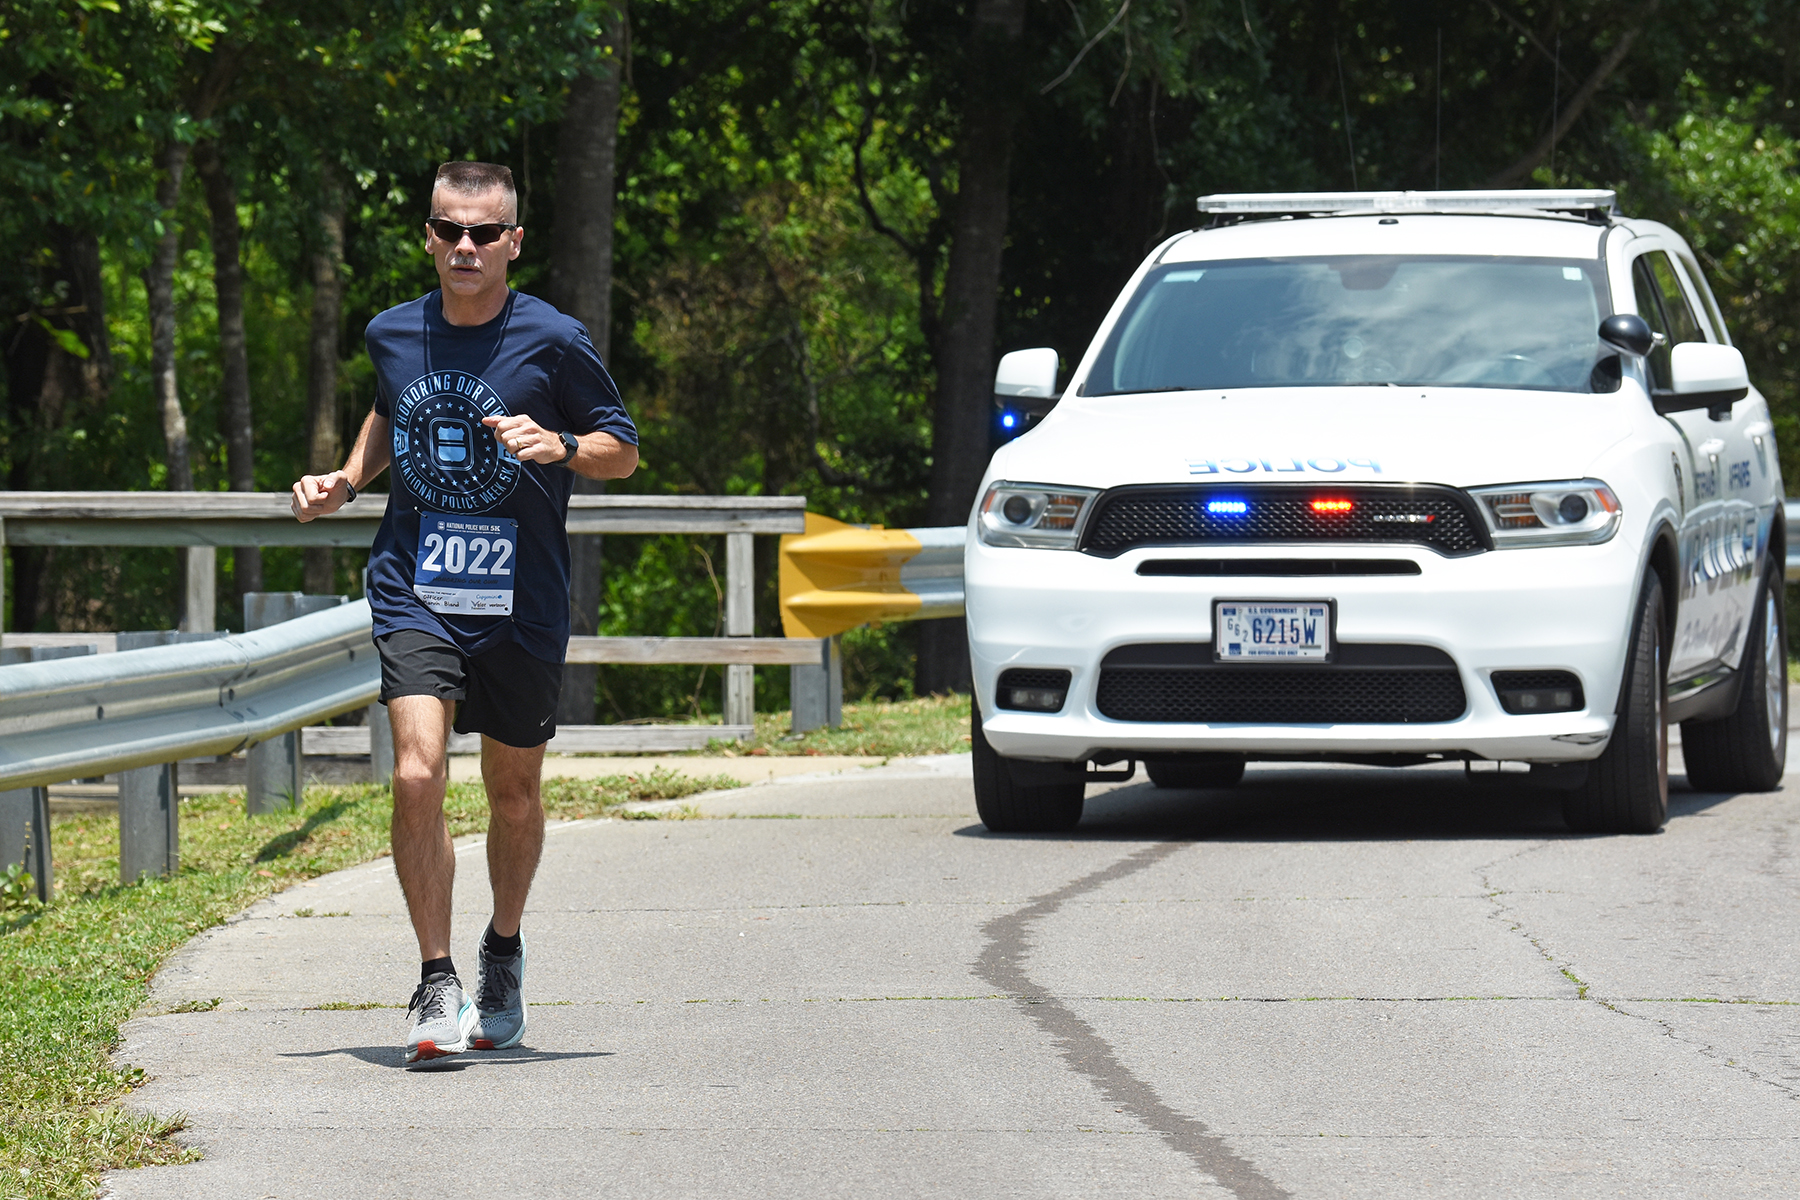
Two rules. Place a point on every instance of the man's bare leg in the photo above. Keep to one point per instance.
(424, 859)
(515, 826)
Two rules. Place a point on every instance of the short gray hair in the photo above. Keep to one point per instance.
(474, 178)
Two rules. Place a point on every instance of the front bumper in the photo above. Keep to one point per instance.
(1565, 608)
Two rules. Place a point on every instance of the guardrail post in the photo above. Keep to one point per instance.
(2, 574)
(816, 690)
(740, 594)
(149, 822)
(275, 778)
(202, 588)
(25, 834)
(381, 744)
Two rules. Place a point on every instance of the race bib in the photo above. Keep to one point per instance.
(465, 564)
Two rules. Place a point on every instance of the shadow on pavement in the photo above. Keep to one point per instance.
(389, 1055)
(1330, 803)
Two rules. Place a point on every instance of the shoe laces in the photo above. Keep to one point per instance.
(428, 999)
(498, 981)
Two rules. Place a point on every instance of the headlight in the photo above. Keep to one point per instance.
(1034, 515)
(1577, 513)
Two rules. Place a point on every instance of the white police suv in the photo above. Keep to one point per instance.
(1386, 478)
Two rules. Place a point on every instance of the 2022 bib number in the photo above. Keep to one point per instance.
(460, 555)
(465, 564)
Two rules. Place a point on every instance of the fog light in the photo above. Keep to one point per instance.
(1524, 692)
(1027, 690)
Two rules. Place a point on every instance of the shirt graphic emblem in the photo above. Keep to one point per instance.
(448, 458)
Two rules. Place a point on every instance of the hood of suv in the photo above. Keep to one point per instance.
(1463, 437)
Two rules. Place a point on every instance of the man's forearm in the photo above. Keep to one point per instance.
(371, 454)
(603, 456)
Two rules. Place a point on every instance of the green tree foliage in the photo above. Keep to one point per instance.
(790, 176)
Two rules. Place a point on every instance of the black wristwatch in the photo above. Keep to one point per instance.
(570, 447)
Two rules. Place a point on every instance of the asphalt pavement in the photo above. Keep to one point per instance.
(1327, 982)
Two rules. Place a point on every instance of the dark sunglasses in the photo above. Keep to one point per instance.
(481, 235)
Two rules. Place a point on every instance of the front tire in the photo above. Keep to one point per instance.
(1627, 787)
(1747, 751)
(1024, 797)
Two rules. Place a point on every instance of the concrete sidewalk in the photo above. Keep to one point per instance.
(1343, 982)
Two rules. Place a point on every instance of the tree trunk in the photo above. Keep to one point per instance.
(581, 285)
(1519, 171)
(159, 286)
(964, 351)
(43, 382)
(323, 450)
(228, 284)
(80, 252)
(159, 283)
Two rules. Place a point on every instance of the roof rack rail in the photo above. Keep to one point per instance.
(1229, 208)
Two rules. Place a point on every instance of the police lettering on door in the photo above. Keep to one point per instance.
(465, 564)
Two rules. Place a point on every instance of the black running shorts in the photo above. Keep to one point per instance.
(505, 691)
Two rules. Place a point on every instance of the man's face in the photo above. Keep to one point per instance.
(464, 268)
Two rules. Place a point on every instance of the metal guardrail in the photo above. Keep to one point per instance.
(836, 576)
(96, 714)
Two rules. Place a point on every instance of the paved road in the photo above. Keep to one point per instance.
(1326, 983)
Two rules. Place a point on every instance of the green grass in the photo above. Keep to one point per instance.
(74, 971)
(886, 729)
(877, 728)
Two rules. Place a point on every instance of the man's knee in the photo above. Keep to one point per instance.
(514, 800)
(420, 774)
(517, 805)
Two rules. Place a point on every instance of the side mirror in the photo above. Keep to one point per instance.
(1705, 375)
(1028, 374)
(1628, 332)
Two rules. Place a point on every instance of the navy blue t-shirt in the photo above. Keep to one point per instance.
(434, 383)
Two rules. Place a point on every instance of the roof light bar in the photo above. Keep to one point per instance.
(1271, 204)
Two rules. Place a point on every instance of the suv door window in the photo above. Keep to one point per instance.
(1709, 305)
(1644, 288)
(1682, 325)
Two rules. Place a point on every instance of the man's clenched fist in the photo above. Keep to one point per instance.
(526, 440)
(319, 495)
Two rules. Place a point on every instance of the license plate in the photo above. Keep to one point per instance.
(1265, 631)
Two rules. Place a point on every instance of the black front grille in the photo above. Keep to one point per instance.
(1366, 685)
(1277, 567)
(1439, 517)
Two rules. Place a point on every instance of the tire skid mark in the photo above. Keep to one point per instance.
(1001, 966)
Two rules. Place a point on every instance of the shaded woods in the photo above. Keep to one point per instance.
(801, 232)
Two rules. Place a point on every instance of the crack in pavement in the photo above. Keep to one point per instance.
(1584, 991)
(1001, 965)
(1703, 1048)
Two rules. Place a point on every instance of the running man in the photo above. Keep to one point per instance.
(487, 402)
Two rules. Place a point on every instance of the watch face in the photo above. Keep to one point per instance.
(570, 445)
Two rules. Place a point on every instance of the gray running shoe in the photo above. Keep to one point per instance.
(499, 1002)
(442, 1016)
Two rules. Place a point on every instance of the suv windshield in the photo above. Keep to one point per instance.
(1456, 322)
